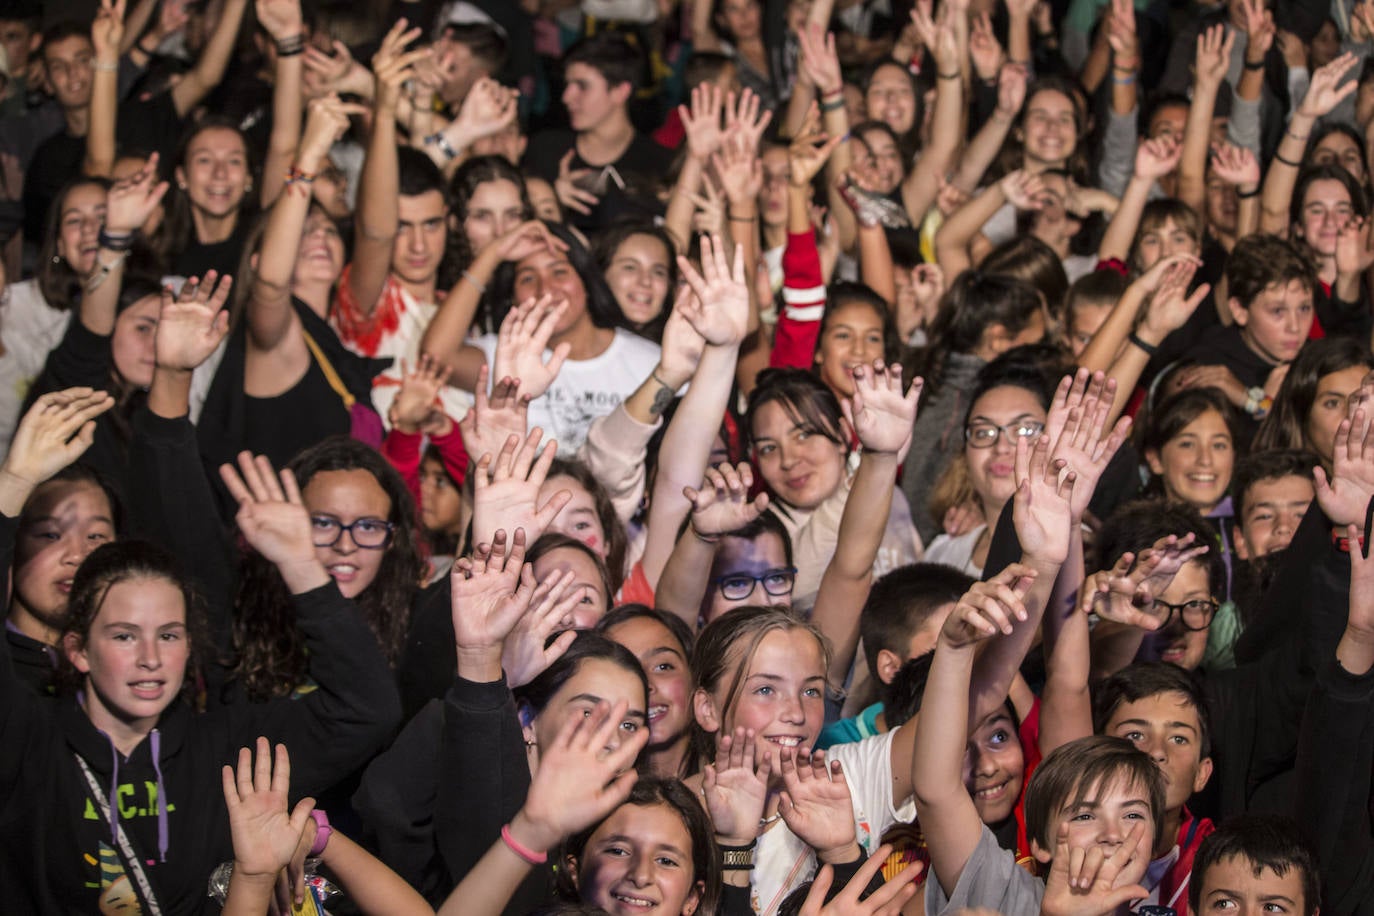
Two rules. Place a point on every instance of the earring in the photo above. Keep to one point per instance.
(529, 742)
(57, 259)
(181, 185)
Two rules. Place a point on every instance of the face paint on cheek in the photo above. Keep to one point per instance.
(593, 542)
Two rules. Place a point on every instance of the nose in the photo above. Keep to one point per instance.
(1204, 458)
(1290, 322)
(1155, 748)
(149, 656)
(345, 544)
(793, 713)
(642, 870)
(1004, 442)
(981, 764)
(416, 241)
(644, 280)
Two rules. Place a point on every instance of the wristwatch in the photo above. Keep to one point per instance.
(1257, 404)
(322, 832)
(737, 858)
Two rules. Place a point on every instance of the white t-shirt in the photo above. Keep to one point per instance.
(782, 862)
(586, 389)
(31, 329)
(957, 552)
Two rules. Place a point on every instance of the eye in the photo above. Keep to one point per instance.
(98, 536)
(369, 525)
(629, 727)
(665, 667)
(171, 636)
(811, 693)
(123, 637)
(765, 449)
(1133, 735)
(666, 862)
(322, 522)
(764, 691)
(999, 737)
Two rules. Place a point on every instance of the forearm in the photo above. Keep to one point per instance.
(1106, 343)
(286, 130)
(99, 305)
(448, 330)
(1066, 713)
(135, 23)
(1197, 137)
(678, 218)
(954, 236)
(169, 396)
(1127, 369)
(996, 668)
(615, 450)
(489, 886)
(1116, 241)
(1282, 175)
(209, 70)
(100, 132)
(248, 895)
(377, 218)
(982, 150)
(922, 184)
(1098, 63)
(1019, 39)
(1114, 646)
(369, 883)
(683, 583)
(875, 262)
(269, 302)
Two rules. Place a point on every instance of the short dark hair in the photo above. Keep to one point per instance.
(1100, 287)
(1259, 261)
(1268, 465)
(417, 174)
(1072, 771)
(974, 301)
(704, 67)
(1263, 841)
(901, 602)
(610, 54)
(61, 31)
(1137, 525)
(766, 523)
(1149, 679)
(902, 698)
(808, 401)
(486, 43)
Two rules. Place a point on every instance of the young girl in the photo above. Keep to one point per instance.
(488, 198)
(1313, 398)
(1326, 204)
(637, 261)
(663, 645)
(212, 209)
(589, 515)
(557, 554)
(125, 730)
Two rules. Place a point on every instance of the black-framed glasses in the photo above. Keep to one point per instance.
(984, 435)
(1196, 615)
(367, 533)
(739, 586)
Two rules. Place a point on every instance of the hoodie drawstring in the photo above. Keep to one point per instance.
(162, 830)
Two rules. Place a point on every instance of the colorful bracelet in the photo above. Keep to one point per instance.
(294, 175)
(524, 852)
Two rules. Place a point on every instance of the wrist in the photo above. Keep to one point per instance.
(532, 833)
(736, 842)
(669, 378)
(303, 575)
(479, 664)
(840, 855)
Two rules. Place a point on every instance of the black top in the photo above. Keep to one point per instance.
(57, 161)
(199, 258)
(626, 186)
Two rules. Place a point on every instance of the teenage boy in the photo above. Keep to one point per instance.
(1258, 864)
(1161, 710)
(900, 621)
(1273, 489)
(602, 168)
(1270, 288)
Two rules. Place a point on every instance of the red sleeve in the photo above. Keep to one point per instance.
(803, 298)
(454, 453)
(403, 451)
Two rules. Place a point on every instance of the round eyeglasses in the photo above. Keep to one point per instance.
(1196, 615)
(984, 435)
(739, 586)
(367, 533)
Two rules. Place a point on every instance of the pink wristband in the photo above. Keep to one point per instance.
(529, 855)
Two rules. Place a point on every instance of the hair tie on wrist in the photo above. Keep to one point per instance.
(290, 47)
(1289, 162)
(1255, 65)
(120, 241)
(1246, 195)
(524, 852)
(950, 76)
(1150, 349)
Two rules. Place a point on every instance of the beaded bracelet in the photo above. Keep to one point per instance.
(294, 175)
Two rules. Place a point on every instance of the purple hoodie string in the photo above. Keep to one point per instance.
(162, 831)
(114, 795)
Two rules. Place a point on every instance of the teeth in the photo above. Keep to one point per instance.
(786, 742)
(990, 792)
(657, 712)
(633, 901)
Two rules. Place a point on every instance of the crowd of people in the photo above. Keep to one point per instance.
(825, 457)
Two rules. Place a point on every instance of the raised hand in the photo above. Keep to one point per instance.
(420, 388)
(712, 215)
(1077, 425)
(522, 340)
(719, 310)
(524, 240)
(722, 504)
(568, 188)
(393, 65)
(281, 18)
(1083, 881)
(1344, 496)
(815, 804)
(1326, 90)
(1022, 189)
(1259, 29)
(491, 592)
(487, 109)
(810, 149)
(1353, 252)
(923, 21)
(334, 71)
(1011, 88)
(1156, 158)
(132, 200)
(1236, 165)
(984, 49)
(1126, 593)
(746, 120)
(1042, 508)
(1122, 35)
(735, 788)
(1213, 56)
(107, 31)
(1171, 305)
(739, 170)
(493, 419)
(192, 322)
(988, 608)
(527, 652)
(578, 782)
(273, 518)
(53, 433)
(702, 121)
(265, 831)
(887, 900)
(506, 489)
(881, 415)
(326, 122)
(819, 61)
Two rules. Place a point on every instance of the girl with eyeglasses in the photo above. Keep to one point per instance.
(1010, 402)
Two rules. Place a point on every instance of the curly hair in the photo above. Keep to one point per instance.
(272, 661)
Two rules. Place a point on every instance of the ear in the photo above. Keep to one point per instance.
(570, 863)
(180, 175)
(689, 906)
(621, 92)
(75, 650)
(1041, 854)
(996, 341)
(526, 722)
(253, 260)
(1239, 313)
(1152, 459)
(889, 663)
(1242, 548)
(704, 708)
(1204, 773)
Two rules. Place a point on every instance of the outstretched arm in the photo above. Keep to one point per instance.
(107, 33)
(209, 70)
(282, 19)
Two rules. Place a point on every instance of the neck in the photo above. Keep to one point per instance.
(1255, 349)
(1226, 240)
(315, 295)
(1326, 268)
(125, 736)
(78, 120)
(26, 622)
(667, 760)
(607, 141)
(587, 340)
(774, 236)
(420, 291)
(213, 229)
(1173, 820)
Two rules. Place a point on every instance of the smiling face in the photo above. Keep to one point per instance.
(781, 696)
(1329, 409)
(754, 557)
(346, 497)
(639, 861)
(421, 237)
(596, 680)
(670, 678)
(593, 601)
(78, 227)
(877, 152)
(134, 656)
(1238, 887)
(801, 466)
(215, 174)
(853, 336)
(131, 346)
(1326, 208)
(68, 65)
(1277, 323)
(992, 469)
(441, 502)
(890, 98)
(994, 767)
(1166, 726)
(552, 274)
(1162, 241)
(1103, 819)
(1273, 509)
(320, 255)
(493, 210)
(638, 277)
(1196, 463)
(63, 522)
(1050, 129)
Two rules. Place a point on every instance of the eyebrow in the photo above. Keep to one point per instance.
(660, 847)
(660, 650)
(57, 518)
(594, 699)
(1021, 416)
(1146, 722)
(1266, 898)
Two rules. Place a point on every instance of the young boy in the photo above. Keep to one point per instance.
(899, 622)
(1271, 285)
(1272, 492)
(1256, 864)
(1160, 709)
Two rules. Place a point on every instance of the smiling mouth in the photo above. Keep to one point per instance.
(785, 740)
(657, 712)
(631, 900)
(991, 793)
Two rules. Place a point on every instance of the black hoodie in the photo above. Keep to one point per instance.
(56, 854)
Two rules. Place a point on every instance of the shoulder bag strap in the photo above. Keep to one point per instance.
(126, 849)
